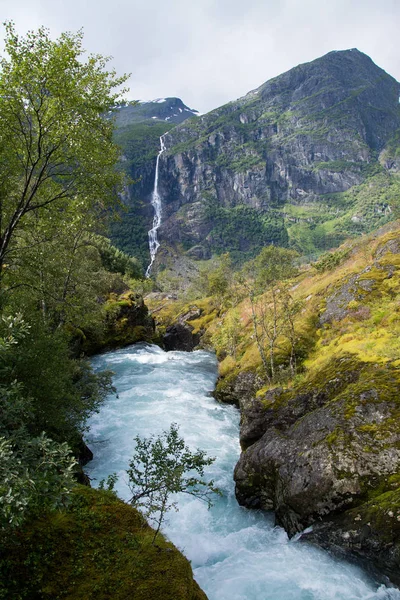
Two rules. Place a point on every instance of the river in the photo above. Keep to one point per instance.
(236, 554)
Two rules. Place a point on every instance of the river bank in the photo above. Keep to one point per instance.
(236, 554)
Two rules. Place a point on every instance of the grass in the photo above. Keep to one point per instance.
(98, 548)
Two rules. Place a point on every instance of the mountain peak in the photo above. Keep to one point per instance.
(170, 110)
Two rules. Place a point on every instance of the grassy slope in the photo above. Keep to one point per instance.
(370, 330)
(99, 548)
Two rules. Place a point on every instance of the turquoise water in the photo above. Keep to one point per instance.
(236, 554)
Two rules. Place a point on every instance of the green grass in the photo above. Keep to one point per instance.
(98, 548)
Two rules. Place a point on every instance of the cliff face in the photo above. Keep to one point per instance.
(277, 164)
(138, 130)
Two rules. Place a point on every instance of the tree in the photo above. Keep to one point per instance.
(56, 148)
(162, 466)
(34, 477)
(265, 274)
(36, 473)
(227, 336)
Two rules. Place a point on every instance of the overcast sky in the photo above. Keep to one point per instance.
(208, 52)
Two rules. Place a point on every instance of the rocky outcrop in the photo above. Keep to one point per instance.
(126, 321)
(238, 388)
(180, 336)
(369, 533)
(325, 449)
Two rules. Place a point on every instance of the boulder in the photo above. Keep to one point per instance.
(180, 337)
(317, 453)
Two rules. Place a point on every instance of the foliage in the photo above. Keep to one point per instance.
(242, 231)
(227, 336)
(330, 260)
(63, 392)
(117, 261)
(140, 142)
(36, 473)
(56, 147)
(271, 265)
(34, 477)
(162, 466)
(130, 233)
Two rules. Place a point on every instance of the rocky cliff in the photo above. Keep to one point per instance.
(324, 451)
(138, 129)
(304, 160)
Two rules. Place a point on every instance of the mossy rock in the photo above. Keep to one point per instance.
(369, 533)
(325, 446)
(97, 549)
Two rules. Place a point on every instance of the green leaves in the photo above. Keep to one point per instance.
(162, 466)
(55, 145)
(33, 478)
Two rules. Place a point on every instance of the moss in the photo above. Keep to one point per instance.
(227, 366)
(332, 438)
(381, 514)
(99, 548)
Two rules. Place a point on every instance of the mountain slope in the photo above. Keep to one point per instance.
(288, 151)
(306, 160)
(138, 130)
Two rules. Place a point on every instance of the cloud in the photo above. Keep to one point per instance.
(211, 51)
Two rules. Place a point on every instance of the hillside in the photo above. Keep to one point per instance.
(320, 438)
(306, 160)
(99, 547)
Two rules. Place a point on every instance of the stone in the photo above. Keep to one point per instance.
(180, 337)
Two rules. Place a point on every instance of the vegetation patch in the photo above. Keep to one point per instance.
(98, 548)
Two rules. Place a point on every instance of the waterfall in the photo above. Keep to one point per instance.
(154, 244)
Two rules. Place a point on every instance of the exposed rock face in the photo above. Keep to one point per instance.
(310, 132)
(315, 453)
(180, 337)
(241, 176)
(239, 389)
(369, 533)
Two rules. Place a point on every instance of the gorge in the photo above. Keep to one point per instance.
(236, 554)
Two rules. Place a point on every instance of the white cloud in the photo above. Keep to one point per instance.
(211, 51)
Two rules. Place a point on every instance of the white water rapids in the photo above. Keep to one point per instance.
(154, 244)
(236, 554)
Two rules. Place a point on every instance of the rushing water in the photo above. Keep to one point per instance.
(154, 244)
(236, 554)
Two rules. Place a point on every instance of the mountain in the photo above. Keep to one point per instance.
(171, 110)
(305, 160)
(138, 129)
